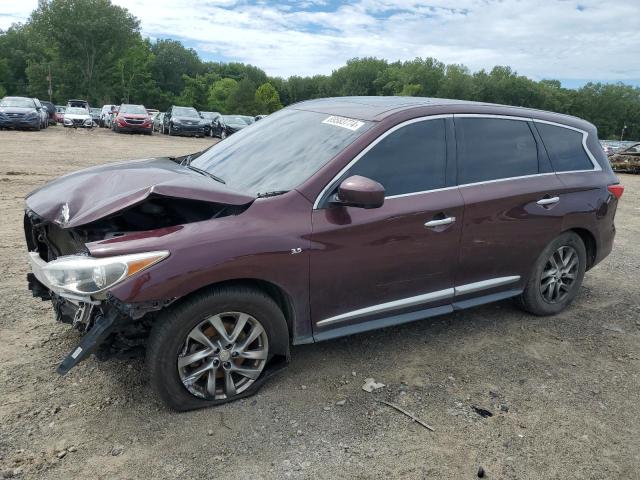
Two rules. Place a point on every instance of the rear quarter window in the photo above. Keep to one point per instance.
(494, 148)
(564, 147)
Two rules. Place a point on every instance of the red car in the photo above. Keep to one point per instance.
(132, 118)
(325, 219)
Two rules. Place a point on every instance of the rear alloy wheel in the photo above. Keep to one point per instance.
(557, 276)
(214, 346)
(223, 135)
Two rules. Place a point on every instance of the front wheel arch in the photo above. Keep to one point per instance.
(275, 292)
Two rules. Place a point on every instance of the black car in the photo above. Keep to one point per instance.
(210, 118)
(20, 113)
(51, 110)
(227, 125)
(184, 121)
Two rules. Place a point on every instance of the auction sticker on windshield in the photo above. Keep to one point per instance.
(348, 123)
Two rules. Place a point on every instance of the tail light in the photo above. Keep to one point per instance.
(616, 190)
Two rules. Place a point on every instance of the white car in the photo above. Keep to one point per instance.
(105, 115)
(77, 117)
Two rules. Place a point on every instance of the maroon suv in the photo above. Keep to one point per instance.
(132, 118)
(327, 218)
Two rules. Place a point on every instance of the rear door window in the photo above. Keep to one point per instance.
(409, 160)
(494, 148)
(564, 147)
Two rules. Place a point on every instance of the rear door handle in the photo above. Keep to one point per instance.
(440, 222)
(548, 201)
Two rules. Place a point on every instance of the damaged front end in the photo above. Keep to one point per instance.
(77, 286)
(110, 203)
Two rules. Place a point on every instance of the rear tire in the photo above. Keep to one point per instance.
(556, 276)
(173, 333)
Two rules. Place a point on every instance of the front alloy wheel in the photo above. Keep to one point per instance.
(223, 355)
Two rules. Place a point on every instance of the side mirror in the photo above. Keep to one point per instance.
(360, 192)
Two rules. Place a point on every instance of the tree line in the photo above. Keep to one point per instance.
(94, 50)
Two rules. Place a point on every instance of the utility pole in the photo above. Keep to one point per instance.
(624, 127)
(50, 90)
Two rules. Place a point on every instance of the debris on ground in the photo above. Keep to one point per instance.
(481, 472)
(410, 415)
(483, 412)
(370, 385)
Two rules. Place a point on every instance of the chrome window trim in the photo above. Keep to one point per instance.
(585, 134)
(420, 299)
(333, 181)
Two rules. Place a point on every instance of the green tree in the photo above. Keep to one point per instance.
(219, 93)
(242, 100)
(81, 36)
(267, 99)
(171, 61)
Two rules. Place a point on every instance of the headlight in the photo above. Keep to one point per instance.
(89, 275)
(32, 115)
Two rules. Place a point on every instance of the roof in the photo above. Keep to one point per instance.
(376, 108)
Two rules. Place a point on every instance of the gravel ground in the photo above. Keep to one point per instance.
(563, 391)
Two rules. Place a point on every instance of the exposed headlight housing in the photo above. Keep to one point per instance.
(84, 275)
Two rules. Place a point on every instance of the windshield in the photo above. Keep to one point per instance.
(185, 112)
(234, 120)
(76, 111)
(210, 114)
(248, 120)
(135, 109)
(17, 102)
(279, 152)
(96, 111)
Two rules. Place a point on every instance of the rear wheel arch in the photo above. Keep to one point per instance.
(589, 240)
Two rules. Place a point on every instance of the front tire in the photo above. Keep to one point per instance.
(556, 277)
(212, 347)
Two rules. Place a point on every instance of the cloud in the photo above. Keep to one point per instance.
(589, 39)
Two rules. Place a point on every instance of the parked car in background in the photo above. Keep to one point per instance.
(44, 114)
(105, 114)
(259, 117)
(158, 122)
(152, 112)
(248, 119)
(329, 218)
(95, 115)
(184, 121)
(20, 113)
(60, 109)
(51, 111)
(626, 159)
(132, 118)
(79, 104)
(210, 118)
(77, 117)
(228, 125)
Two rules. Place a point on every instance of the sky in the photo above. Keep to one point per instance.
(571, 41)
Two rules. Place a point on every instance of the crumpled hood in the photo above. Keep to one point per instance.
(87, 195)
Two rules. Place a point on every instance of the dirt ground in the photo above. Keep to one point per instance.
(564, 391)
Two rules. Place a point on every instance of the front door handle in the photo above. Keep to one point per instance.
(548, 201)
(440, 222)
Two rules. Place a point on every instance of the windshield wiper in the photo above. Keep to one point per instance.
(271, 194)
(187, 163)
